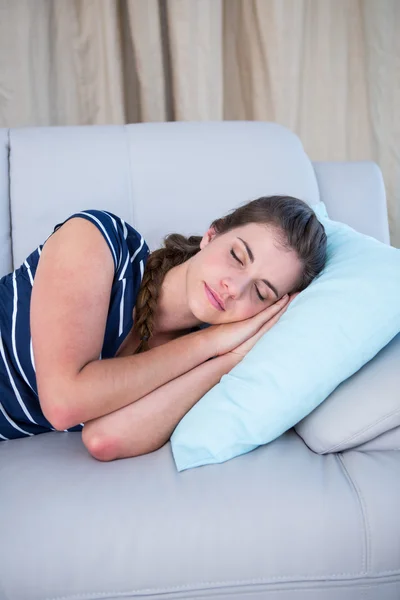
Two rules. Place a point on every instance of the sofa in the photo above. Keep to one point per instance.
(296, 519)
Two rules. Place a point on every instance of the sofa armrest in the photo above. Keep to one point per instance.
(361, 408)
(354, 193)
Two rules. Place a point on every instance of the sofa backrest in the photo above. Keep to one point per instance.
(160, 177)
(5, 226)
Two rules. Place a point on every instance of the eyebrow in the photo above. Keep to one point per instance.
(251, 257)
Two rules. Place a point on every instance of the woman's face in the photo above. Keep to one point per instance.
(242, 282)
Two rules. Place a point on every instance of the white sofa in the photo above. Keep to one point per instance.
(290, 520)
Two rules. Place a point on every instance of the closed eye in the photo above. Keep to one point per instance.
(236, 258)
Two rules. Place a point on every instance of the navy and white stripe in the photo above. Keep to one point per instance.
(20, 411)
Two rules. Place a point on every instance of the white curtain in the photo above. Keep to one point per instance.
(327, 69)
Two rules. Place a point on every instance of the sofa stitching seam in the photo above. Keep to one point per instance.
(130, 172)
(363, 511)
(367, 428)
(9, 168)
(177, 588)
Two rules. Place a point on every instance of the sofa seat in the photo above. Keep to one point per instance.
(297, 520)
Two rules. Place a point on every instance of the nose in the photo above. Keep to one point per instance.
(232, 288)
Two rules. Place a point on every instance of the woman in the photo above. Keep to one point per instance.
(100, 336)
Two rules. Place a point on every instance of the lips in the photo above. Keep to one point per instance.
(217, 298)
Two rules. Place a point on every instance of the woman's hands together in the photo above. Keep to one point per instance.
(244, 348)
(240, 336)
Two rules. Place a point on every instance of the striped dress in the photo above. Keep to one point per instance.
(20, 412)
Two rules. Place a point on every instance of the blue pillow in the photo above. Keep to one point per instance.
(329, 331)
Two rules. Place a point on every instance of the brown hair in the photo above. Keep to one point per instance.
(294, 221)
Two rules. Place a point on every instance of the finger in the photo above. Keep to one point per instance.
(280, 307)
(274, 308)
(267, 326)
(265, 329)
(282, 301)
(278, 315)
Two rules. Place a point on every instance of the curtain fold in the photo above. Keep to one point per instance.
(327, 69)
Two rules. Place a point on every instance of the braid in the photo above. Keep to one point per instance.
(177, 250)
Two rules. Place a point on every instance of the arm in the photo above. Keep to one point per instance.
(104, 386)
(186, 390)
(69, 306)
(147, 424)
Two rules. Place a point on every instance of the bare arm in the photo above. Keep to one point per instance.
(147, 424)
(69, 306)
(68, 316)
(103, 386)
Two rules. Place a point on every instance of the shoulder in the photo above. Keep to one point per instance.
(125, 242)
(127, 232)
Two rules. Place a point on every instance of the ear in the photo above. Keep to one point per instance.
(207, 237)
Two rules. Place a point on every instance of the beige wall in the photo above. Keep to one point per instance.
(327, 69)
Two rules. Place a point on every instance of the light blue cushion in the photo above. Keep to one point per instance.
(329, 331)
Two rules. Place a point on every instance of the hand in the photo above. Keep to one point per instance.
(244, 348)
(228, 336)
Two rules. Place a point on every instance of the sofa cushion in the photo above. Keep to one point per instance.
(363, 407)
(328, 332)
(280, 522)
(354, 193)
(389, 440)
